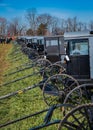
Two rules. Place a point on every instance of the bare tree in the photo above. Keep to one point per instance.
(3, 25)
(31, 16)
(73, 25)
(80, 26)
(16, 27)
(63, 25)
(44, 19)
(85, 26)
(91, 25)
(55, 25)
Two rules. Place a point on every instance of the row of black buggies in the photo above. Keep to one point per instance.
(60, 90)
(5, 40)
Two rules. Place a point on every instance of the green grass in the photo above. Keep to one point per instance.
(25, 103)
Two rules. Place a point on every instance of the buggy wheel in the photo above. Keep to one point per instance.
(40, 65)
(80, 95)
(56, 88)
(63, 65)
(79, 118)
(52, 70)
(42, 62)
(33, 55)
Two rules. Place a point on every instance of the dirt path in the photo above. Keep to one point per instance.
(4, 50)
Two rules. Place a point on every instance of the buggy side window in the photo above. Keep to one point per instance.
(78, 47)
(51, 43)
(34, 40)
(48, 43)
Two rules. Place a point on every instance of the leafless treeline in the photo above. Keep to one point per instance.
(42, 24)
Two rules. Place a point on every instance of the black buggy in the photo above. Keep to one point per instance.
(79, 49)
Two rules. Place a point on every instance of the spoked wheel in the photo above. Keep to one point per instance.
(52, 70)
(80, 95)
(57, 87)
(80, 118)
(33, 54)
(41, 64)
(63, 65)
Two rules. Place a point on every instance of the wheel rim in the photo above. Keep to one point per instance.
(56, 88)
(80, 117)
(43, 63)
(40, 65)
(80, 95)
(52, 70)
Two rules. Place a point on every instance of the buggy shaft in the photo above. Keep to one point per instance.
(19, 91)
(13, 81)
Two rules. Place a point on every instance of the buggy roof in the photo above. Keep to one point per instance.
(78, 35)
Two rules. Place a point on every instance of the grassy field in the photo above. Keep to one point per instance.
(24, 103)
(4, 50)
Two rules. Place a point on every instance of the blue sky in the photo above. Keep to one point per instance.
(83, 9)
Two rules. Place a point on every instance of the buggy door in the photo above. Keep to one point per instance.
(78, 51)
